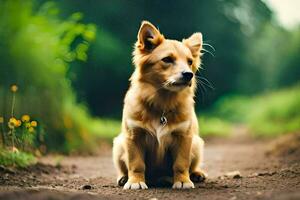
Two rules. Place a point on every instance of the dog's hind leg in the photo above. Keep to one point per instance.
(196, 174)
(119, 160)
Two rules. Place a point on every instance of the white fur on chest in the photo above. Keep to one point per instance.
(157, 129)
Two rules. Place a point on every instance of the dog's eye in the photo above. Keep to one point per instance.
(190, 61)
(168, 60)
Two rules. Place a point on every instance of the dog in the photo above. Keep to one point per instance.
(159, 137)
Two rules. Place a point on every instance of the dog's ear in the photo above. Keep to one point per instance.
(149, 37)
(194, 43)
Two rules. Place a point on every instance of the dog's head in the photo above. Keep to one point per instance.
(166, 64)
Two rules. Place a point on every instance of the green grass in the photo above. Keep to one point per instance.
(269, 114)
(213, 126)
(106, 128)
(276, 113)
(84, 131)
(16, 159)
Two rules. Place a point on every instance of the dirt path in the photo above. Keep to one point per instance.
(262, 176)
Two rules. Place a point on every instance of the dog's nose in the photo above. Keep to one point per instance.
(187, 76)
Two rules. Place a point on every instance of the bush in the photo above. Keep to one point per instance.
(36, 50)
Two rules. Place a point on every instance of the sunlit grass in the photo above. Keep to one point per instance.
(16, 158)
(276, 113)
(106, 128)
(269, 114)
(213, 126)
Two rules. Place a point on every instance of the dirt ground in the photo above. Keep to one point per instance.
(261, 174)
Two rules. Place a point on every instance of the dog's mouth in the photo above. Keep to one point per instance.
(177, 85)
(181, 83)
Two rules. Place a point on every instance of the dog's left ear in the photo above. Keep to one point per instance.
(149, 37)
(194, 43)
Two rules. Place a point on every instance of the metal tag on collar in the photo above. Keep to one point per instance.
(163, 119)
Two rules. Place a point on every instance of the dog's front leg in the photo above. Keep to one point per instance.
(181, 154)
(135, 164)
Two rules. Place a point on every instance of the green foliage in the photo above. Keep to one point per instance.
(272, 60)
(36, 50)
(16, 159)
(107, 128)
(270, 114)
(276, 113)
(77, 119)
(213, 126)
(233, 108)
(104, 79)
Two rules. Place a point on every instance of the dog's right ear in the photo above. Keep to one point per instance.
(149, 37)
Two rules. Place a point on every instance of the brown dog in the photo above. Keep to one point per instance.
(159, 135)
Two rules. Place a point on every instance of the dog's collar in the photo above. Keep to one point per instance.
(163, 119)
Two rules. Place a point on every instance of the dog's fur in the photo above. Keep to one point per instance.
(147, 150)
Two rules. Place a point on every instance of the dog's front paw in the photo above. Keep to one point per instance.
(183, 185)
(135, 185)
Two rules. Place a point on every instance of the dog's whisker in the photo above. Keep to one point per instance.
(202, 92)
(205, 82)
(206, 44)
(208, 52)
(202, 86)
(209, 86)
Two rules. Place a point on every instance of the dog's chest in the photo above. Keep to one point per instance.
(159, 130)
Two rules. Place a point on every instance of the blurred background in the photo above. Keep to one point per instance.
(71, 61)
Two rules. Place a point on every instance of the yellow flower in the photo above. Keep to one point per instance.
(25, 118)
(12, 122)
(12, 119)
(33, 124)
(14, 88)
(18, 123)
(11, 125)
(1, 120)
(31, 129)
